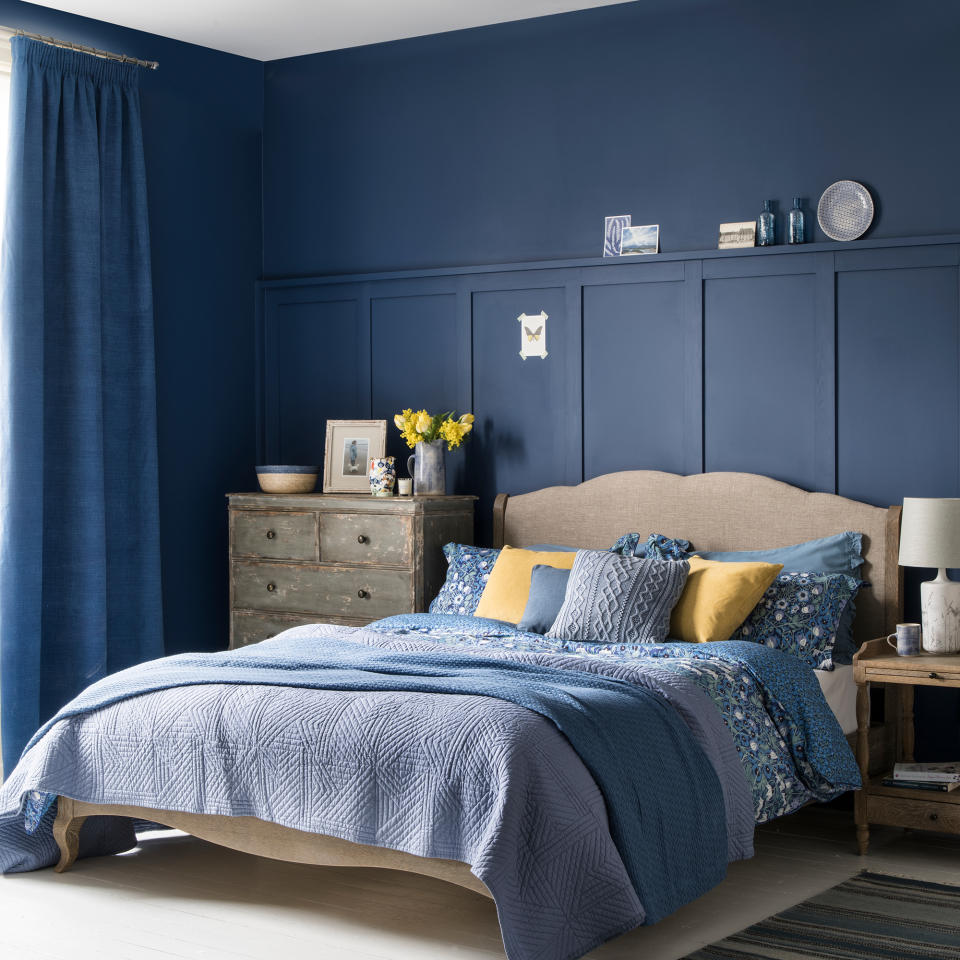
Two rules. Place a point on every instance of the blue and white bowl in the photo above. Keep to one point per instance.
(287, 479)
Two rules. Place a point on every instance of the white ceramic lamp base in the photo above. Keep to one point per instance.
(940, 609)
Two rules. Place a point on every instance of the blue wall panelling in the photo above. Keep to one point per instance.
(316, 366)
(769, 368)
(634, 345)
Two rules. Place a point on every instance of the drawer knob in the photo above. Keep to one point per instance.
(271, 587)
(363, 594)
(934, 816)
(271, 534)
(934, 676)
(363, 538)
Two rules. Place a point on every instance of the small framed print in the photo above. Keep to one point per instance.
(734, 235)
(351, 445)
(640, 240)
(613, 232)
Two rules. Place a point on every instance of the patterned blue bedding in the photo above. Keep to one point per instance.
(789, 742)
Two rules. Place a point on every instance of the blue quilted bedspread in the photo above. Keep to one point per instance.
(589, 791)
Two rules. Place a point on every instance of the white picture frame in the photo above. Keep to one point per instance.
(350, 446)
(640, 240)
(734, 236)
(613, 232)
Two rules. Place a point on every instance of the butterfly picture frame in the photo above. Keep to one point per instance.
(533, 335)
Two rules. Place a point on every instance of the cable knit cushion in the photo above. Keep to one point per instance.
(614, 599)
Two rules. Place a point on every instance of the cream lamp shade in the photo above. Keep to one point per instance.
(930, 537)
(930, 532)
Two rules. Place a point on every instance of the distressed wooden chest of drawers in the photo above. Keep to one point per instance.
(336, 558)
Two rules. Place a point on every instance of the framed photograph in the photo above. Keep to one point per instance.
(351, 445)
(733, 235)
(637, 240)
(613, 232)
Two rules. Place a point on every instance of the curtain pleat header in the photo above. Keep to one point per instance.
(97, 69)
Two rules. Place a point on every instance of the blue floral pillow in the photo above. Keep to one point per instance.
(628, 545)
(657, 546)
(468, 569)
(799, 614)
(664, 548)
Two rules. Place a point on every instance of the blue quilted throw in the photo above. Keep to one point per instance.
(611, 795)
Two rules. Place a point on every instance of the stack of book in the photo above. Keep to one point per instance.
(925, 776)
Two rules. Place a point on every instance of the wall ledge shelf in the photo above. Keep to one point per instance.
(781, 249)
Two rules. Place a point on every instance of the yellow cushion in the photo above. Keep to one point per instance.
(508, 587)
(718, 597)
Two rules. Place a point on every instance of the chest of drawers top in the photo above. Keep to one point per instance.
(337, 528)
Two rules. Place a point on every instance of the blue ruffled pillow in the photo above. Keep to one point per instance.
(468, 569)
(800, 613)
(657, 546)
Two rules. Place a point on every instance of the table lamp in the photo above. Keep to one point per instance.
(930, 537)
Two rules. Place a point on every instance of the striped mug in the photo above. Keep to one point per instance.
(906, 640)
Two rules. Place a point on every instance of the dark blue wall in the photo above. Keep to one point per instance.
(512, 142)
(834, 370)
(202, 114)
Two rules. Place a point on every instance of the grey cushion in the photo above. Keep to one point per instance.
(614, 599)
(547, 588)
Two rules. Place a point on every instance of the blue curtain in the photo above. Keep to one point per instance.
(79, 533)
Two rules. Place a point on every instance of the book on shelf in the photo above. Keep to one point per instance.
(929, 772)
(941, 786)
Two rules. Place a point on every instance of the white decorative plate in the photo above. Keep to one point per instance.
(845, 210)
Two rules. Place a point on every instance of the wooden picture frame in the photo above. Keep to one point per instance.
(350, 446)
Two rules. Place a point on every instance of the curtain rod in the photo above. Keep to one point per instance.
(93, 51)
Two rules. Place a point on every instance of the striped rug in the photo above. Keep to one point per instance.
(871, 917)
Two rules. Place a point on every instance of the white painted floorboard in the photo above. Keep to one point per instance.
(177, 897)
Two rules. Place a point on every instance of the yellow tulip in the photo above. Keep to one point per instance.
(467, 419)
(423, 421)
(398, 421)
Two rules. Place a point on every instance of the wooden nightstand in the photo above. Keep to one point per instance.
(877, 662)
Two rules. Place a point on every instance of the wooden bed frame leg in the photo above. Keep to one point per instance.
(863, 761)
(66, 831)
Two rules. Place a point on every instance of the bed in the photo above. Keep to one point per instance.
(722, 511)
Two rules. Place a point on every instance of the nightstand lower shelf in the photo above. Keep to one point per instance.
(919, 809)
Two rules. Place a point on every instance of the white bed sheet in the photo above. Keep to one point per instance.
(841, 693)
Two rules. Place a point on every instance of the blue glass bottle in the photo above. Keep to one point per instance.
(796, 232)
(766, 226)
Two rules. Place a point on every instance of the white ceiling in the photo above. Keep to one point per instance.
(271, 29)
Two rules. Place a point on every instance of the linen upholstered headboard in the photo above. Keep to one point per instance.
(714, 511)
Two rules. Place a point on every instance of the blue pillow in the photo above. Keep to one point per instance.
(837, 554)
(800, 613)
(548, 585)
(468, 569)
